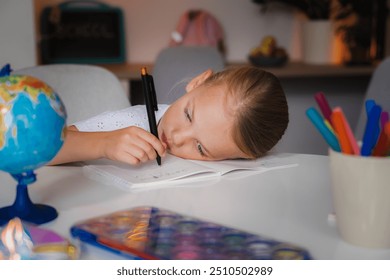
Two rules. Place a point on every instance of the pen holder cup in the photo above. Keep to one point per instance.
(361, 198)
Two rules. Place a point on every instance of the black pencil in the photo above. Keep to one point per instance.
(151, 103)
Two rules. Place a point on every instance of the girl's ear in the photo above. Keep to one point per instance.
(198, 80)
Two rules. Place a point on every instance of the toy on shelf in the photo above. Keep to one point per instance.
(268, 54)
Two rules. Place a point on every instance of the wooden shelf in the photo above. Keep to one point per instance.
(128, 71)
(290, 70)
(302, 70)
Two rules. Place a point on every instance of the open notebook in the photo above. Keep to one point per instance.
(173, 169)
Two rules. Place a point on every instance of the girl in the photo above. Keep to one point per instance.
(240, 112)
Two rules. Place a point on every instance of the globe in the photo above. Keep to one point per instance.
(32, 122)
(32, 130)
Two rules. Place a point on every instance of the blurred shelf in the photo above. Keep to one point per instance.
(128, 71)
(303, 70)
(290, 70)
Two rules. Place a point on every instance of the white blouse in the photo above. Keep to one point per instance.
(113, 120)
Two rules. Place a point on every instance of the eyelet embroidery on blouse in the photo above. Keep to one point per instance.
(113, 120)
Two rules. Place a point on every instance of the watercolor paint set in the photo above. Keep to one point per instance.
(153, 233)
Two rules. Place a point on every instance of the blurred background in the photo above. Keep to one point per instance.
(148, 25)
(280, 35)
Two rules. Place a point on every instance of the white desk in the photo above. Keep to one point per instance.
(289, 204)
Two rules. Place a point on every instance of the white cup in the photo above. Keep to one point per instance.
(361, 198)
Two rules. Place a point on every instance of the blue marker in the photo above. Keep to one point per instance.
(369, 104)
(319, 123)
(371, 131)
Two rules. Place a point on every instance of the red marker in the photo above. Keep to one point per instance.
(324, 106)
(382, 147)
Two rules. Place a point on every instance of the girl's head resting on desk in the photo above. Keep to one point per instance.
(240, 112)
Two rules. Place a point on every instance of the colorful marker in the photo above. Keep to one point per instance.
(370, 136)
(387, 130)
(329, 126)
(319, 123)
(384, 119)
(383, 146)
(324, 106)
(370, 103)
(346, 138)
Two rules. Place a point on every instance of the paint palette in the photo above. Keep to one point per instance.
(154, 233)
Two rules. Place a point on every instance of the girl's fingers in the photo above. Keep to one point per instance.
(136, 153)
(133, 145)
(156, 144)
(143, 153)
(130, 154)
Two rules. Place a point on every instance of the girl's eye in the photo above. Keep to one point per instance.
(200, 149)
(187, 115)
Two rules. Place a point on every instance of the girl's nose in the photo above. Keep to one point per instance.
(180, 137)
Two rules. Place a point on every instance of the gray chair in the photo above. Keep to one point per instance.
(176, 66)
(85, 90)
(379, 90)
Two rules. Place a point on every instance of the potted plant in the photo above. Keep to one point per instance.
(313, 9)
(354, 20)
(356, 26)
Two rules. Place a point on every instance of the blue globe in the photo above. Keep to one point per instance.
(32, 124)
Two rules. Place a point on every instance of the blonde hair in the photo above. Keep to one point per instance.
(261, 113)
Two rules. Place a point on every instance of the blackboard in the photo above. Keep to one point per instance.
(82, 32)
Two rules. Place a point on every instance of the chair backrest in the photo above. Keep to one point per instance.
(85, 90)
(379, 90)
(176, 66)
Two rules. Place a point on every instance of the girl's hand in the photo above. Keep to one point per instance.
(131, 145)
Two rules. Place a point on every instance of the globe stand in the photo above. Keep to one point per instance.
(23, 207)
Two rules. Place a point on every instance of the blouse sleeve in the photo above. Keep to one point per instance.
(113, 120)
